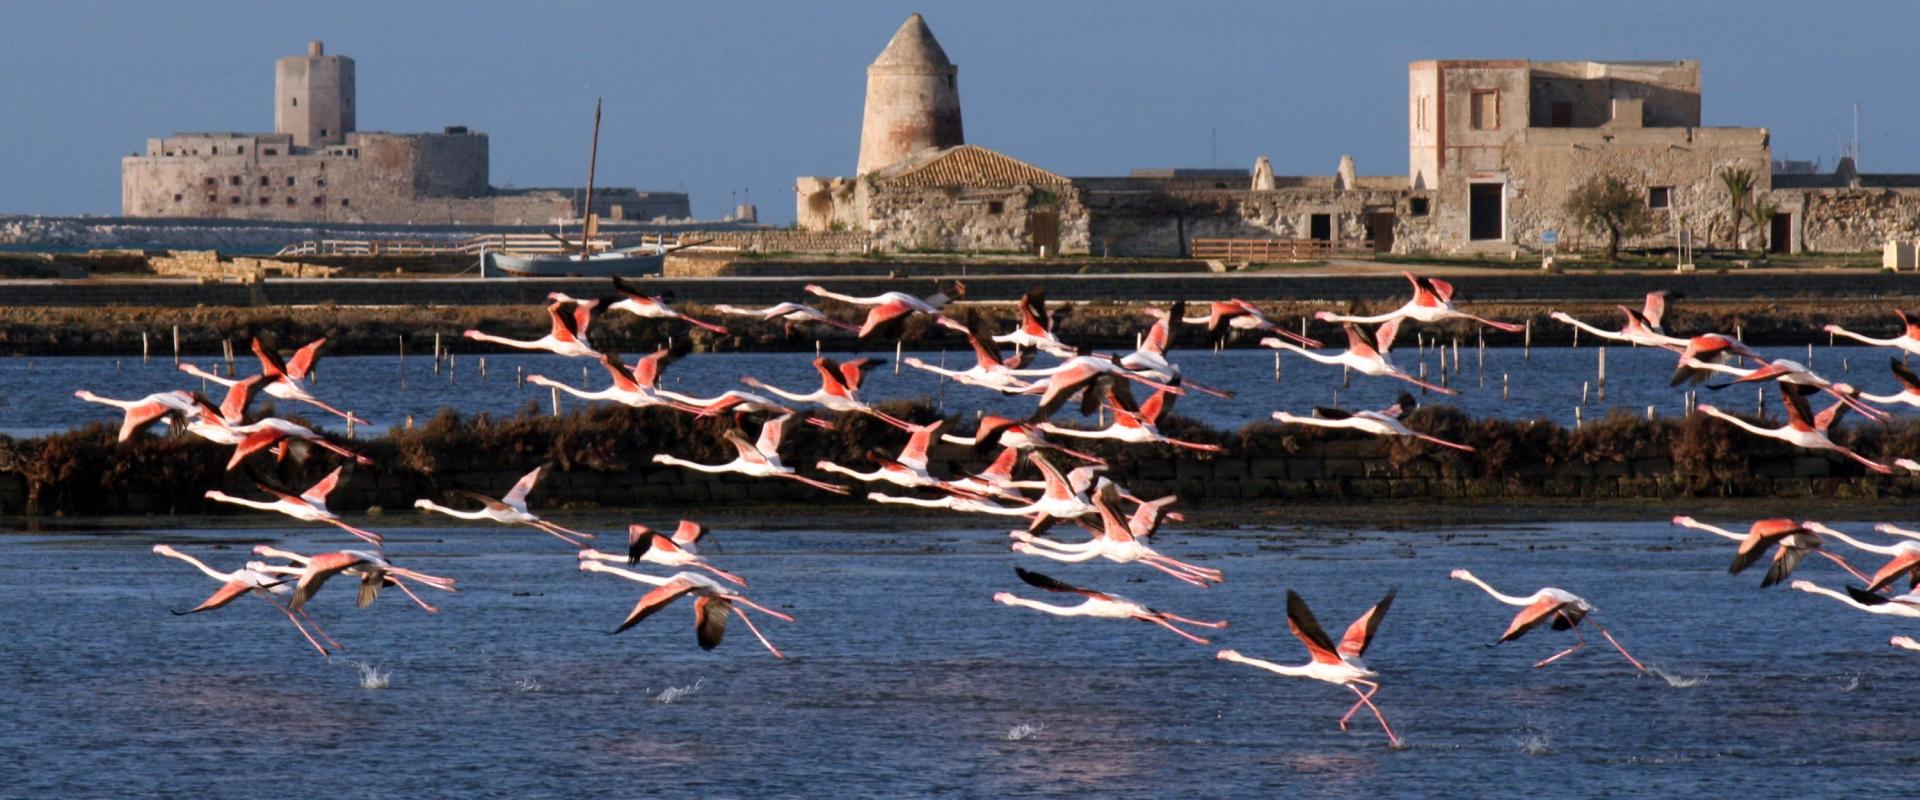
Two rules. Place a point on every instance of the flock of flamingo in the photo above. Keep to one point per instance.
(1070, 488)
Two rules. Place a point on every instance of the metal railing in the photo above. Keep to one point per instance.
(528, 243)
(1259, 251)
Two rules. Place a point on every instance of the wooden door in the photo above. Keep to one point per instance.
(1780, 234)
(1380, 230)
(1046, 232)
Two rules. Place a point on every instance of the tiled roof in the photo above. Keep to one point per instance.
(967, 165)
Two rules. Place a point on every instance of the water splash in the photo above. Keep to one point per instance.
(372, 678)
(1853, 683)
(673, 694)
(1024, 731)
(1678, 681)
(1535, 744)
(527, 685)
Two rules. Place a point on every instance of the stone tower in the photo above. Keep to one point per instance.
(913, 99)
(313, 97)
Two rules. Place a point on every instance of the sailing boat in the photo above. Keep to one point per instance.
(579, 261)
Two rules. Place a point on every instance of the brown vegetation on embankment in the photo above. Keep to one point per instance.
(601, 458)
(116, 331)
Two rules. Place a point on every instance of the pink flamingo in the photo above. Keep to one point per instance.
(1035, 331)
(1115, 542)
(1385, 422)
(989, 370)
(1643, 327)
(790, 314)
(139, 414)
(636, 387)
(1795, 542)
(509, 510)
(242, 582)
(1908, 340)
(839, 389)
(1100, 605)
(1803, 428)
(1150, 358)
(377, 571)
(276, 433)
(1557, 608)
(713, 603)
(653, 547)
(309, 506)
(645, 306)
(1135, 424)
(758, 459)
(1224, 317)
(890, 307)
(1367, 357)
(1432, 302)
(1006, 432)
(1338, 664)
(566, 337)
(909, 469)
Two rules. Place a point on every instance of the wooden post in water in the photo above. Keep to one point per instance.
(1423, 375)
(556, 400)
(1456, 354)
(1276, 366)
(1584, 386)
(436, 352)
(1809, 355)
(899, 346)
(1760, 401)
(1649, 413)
(143, 347)
(226, 346)
(483, 368)
(1503, 386)
(1577, 421)
(519, 376)
(409, 422)
(176, 345)
(1527, 343)
(1603, 373)
(1346, 376)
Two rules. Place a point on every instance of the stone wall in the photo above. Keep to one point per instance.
(1849, 220)
(973, 218)
(1165, 223)
(207, 265)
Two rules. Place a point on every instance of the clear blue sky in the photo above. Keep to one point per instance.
(721, 97)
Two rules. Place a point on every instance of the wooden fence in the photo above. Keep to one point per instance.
(1260, 251)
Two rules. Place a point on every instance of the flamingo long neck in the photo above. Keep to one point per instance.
(1899, 531)
(636, 577)
(1821, 590)
(584, 395)
(1281, 669)
(1856, 543)
(1049, 608)
(432, 506)
(1839, 331)
(1715, 530)
(798, 398)
(859, 301)
(1373, 320)
(610, 558)
(501, 340)
(1614, 335)
(241, 501)
(269, 552)
(1333, 359)
(1504, 598)
(1743, 424)
(710, 468)
(199, 565)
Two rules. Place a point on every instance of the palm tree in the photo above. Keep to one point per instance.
(1760, 213)
(1739, 183)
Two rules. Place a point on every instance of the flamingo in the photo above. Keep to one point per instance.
(1115, 542)
(1908, 340)
(1558, 607)
(222, 425)
(1791, 373)
(1084, 375)
(276, 432)
(713, 603)
(908, 470)
(509, 510)
(839, 389)
(1707, 353)
(1150, 358)
(1015, 434)
(1100, 605)
(1906, 605)
(1224, 317)
(790, 314)
(1904, 643)
(244, 581)
(141, 413)
(1385, 422)
(989, 370)
(388, 574)
(758, 459)
(1909, 393)
(637, 387)
(996, 480)
(1432, 302)
(640, 304)
(1803, 429)
(1643, 327)
(889, 307)
(1367, 357)
(1135, 424)
(566, 337)
(653, 547)
(1338, 664)
(1036, 327)
(965, 503)
(375, 571)
(1795, 541)
(309, 506)
(286, 379)
(1904, 555)
(277, 388)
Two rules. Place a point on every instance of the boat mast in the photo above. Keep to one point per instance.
(593, 158)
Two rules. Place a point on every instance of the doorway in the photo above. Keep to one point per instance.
(1380, 230)
(1320, 227)
(1486, 211)
(1780, 234)
(1046, 232)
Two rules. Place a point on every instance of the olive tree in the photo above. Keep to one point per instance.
(1611, 206)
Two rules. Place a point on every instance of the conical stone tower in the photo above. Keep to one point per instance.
(913, 99)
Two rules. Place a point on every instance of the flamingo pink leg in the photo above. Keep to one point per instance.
(402, 586)
(1579, 642)
(1623, 651)
(317, 629)
(757, 635)
(723, 574)
(1371, 688)
(1846, 566)
(1169, 626)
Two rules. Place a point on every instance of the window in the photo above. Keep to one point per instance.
(343, 202)
(1486, 109)
(177, 197)
(323, 132)
(1417, 207)
(240, 151)
(996, 207)
(1659, 196)
(1562, 114)
(296, 102)
(1420, 114)
(263, 180)
(216, 151)
(234, 179)
(289, 180)
(269, 152)
(289, 201)
(263, 201)
(319, 200)
(213, 181)
(213, 198)
(319, 181)
(234, 200)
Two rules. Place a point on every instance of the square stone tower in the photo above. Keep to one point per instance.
(313, 97)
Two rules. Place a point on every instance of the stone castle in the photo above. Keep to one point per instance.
(1494, 150)
(317, 166)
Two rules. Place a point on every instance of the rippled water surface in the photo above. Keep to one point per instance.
(36, 394)
(904, 679)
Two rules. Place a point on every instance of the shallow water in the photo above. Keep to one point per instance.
(36, 394)
(904, 679)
